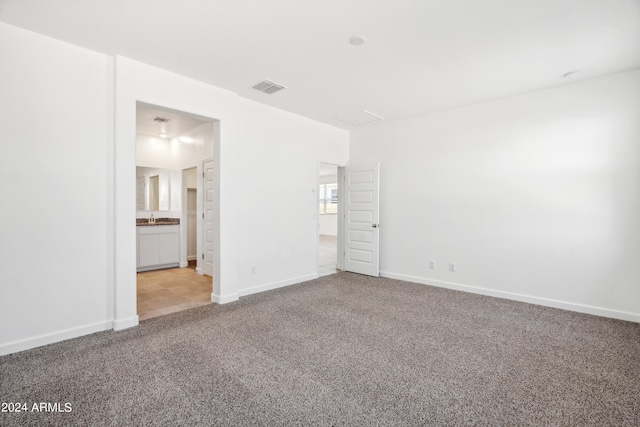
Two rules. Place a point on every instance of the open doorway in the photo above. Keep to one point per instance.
(192, 217)
(329, 220)
(170, 148)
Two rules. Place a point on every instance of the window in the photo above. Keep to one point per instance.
(328, 194)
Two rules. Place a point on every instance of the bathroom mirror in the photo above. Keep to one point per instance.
(153, 189)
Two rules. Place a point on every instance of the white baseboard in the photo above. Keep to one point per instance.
(158, 267)
(276, 285)
(547, 302)
(199, 271)
(192, 257)
(327, 273)
(129, 322)
(53, 337)
(183, 264)
(224, 299)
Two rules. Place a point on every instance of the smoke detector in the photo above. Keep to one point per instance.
(357, 40)
(268, 87)
(161, 120)
(359, 118)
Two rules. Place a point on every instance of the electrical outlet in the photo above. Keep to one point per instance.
(452, 266)
(432, 264)
(253, 269)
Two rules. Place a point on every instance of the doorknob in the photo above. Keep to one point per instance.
(374, 225)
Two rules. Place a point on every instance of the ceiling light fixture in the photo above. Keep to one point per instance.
(163, 126)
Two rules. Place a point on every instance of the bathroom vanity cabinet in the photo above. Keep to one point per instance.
(158, 246)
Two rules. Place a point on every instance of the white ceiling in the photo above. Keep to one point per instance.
(179, 122)
(420, 56)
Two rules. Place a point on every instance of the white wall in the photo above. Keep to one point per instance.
(328, 225)
(139, 82)
(191, 178)
(277, 194)
(153, 152)
(252, 136)
(55, 280)
(67, 260)
(174, 156)
(534, 197)
(189, 155)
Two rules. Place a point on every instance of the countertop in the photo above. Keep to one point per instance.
(158, 221)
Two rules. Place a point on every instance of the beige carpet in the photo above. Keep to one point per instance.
(341, 350)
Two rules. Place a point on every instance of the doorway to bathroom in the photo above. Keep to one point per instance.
(170, 149)
(192, 222)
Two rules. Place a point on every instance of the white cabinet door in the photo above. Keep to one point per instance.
(149, 250)
(168, 246)
(158, 245)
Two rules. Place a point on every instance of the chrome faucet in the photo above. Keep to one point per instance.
(152, 220)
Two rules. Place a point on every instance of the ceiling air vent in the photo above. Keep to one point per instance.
(359, 118)
(268, 87)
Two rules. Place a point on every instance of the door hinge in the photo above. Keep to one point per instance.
(203, 174)
(202, 215)
(202, 256)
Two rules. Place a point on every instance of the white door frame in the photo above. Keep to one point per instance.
(340, 258)
(201, 214)
(214, 156)
(342, 215)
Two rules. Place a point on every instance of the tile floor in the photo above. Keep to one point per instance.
(167, 291)
(174, 289)
(328, 255)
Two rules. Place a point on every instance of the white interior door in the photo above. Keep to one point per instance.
(208, 212)
(362, 215)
